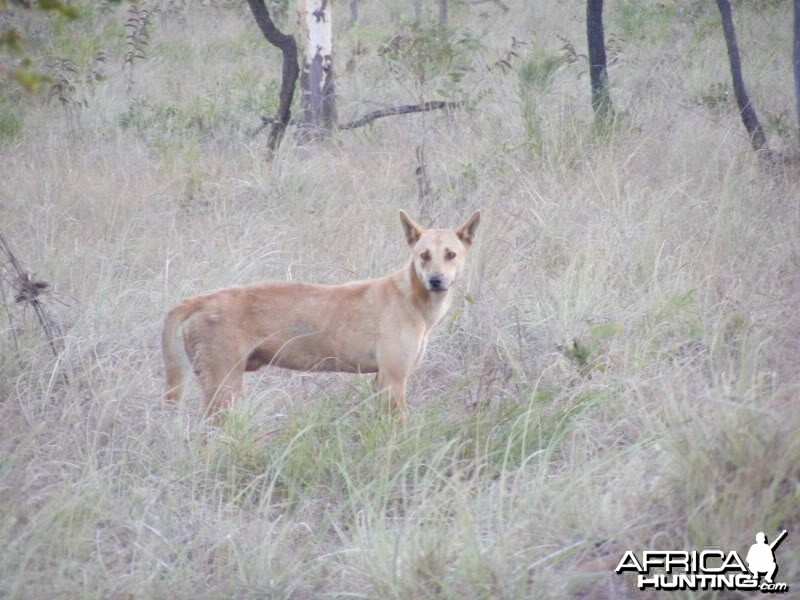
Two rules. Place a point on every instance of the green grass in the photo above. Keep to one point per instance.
(10, 120)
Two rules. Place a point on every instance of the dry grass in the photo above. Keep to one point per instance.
(626, 378)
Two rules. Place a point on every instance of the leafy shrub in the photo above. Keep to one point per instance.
(425, 55)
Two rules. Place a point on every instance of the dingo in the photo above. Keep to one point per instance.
(372, 326)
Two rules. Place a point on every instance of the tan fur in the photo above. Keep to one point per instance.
(372, 326)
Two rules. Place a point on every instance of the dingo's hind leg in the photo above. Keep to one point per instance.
(219, 366)
(222, 386)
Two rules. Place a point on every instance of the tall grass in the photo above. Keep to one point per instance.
(619, 371)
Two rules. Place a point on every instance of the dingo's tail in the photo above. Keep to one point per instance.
(173, 365)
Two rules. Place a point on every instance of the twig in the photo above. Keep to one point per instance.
(10, 316)
(138, 38)
(265, 122)
(28, 291)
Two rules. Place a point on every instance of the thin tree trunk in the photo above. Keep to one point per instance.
(797, 61)
(424, 189)
(288, 47)
(598, 71)
(317, 91)
(353, 12)
(443, 13)
(417, 10)
(757, 138)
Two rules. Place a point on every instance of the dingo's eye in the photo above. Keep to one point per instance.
(450, 255)
(426, 256)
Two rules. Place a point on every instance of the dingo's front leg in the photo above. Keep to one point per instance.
(397, 355)
(393, 386)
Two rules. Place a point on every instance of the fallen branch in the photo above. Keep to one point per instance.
(372, 116)
(400, 110)
(499, 3)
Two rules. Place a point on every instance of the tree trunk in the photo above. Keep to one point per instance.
(417, 10)
(317, 97)
(598, 72)
(288, 47)
(353, 12)
(443, 13)
(757, 138)
(797, 61)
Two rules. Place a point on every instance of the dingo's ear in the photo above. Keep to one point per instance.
(410, 228)
(466, 233)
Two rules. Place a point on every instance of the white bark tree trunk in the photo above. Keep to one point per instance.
(317, 96)
(797, 60)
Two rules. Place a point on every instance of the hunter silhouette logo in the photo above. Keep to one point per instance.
(761, 557)
(707, 569)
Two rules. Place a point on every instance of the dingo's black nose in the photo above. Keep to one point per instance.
(436, 282)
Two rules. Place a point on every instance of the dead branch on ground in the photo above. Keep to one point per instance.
(400, 110)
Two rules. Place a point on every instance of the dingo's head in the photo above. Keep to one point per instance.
(438, 254)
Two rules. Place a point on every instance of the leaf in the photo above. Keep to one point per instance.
(606, 331)
(12, 40)
(579, 352)
(30, 80)
(70, 12)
